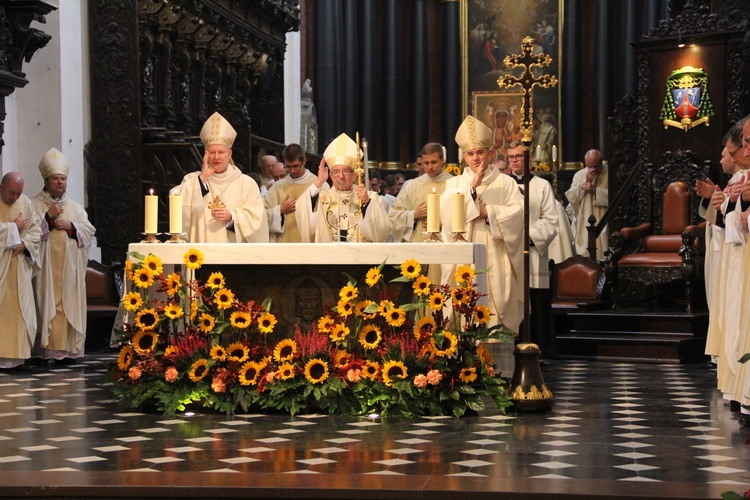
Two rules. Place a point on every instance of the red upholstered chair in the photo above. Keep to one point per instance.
(660, 258)
(575, 281)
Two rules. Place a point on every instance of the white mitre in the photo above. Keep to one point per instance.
(341, 151)
(473, 134)
(217, 130)
(53, 162)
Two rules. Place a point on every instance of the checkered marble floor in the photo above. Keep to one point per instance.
(664, 427)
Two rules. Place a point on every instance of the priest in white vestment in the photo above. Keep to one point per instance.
(60, 286)
(281, 200)
(409, 212)
(589, 195)
(347, 212)
(493, 217)
(20, 235)
(220, 204)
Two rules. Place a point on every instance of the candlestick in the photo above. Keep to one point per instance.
(175, 213)
(433, 212)
(554, 153)
(459, 213)
(151, 213)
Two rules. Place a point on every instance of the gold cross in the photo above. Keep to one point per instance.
(527, 60)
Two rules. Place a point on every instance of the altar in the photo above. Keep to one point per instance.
(303, 279)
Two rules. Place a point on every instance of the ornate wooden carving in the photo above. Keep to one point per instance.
(693, 21)
(18, 44)
(678, 165)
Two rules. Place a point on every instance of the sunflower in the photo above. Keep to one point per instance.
(372, 277)
(129, 269)
(219, 353)
(206, 323)
(132, 301)
(147, 319)
(410, 269)
(193, 258)
(144, 342)
(126, 356)
(325, 324)
(240, 319)
(285, 371)
(371, 370)
(393, 370)
(223, 298)
(198, 370)
(173, 311)
(348, 293)
(460, 296)
(316, 371)
(344, 308)
(143, 278)
(425, 327)
(436, 301)
(481, 315)
(153, 264)
(215, 281)
(465, 274)
(237, 351)
(341, 359)
(422, 286)
(484, 354)
(395, 317)
(172, 284)
(370, 336)
(266, 322)
(468, 375)
(359, 309)
(447, 346)
(384, 307)
(170, 350)
(250, 373)
(285, 350)
(339, 332)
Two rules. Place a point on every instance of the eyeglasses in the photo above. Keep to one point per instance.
(339, 173)
(514, 157)
(735, 151)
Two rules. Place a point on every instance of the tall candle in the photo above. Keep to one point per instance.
(152, 213)
(367, 163)
(433, 212)
(459, 213)
(554, 153)
(175, 213)
(538, 152)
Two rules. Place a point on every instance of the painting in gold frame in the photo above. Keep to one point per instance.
(500, 111)
(492, 29)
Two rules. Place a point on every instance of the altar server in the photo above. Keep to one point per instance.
(60, 286)
(20, 234)
(220, 203)
(346, 212)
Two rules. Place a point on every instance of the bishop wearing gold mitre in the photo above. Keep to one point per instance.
(60, 286)
(347, 212)
(220, 204)
(493, 216)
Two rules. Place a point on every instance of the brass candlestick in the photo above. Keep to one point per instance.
(150, 238)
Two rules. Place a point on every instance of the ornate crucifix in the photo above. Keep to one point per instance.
(528, 390)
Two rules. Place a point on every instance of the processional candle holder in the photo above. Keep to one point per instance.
(150, 238)
(458, 237)
(432, 237)
(175, 238)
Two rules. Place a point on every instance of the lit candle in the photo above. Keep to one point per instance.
(538, 152)
(459, 213)
(367, 163)
(554, 154)
(175, 213)
(433, 212)
(152, 213)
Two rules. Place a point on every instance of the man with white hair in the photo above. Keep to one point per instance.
(266, 164)
(20, 233)
(60, 286)
(589, 195)
(220, 204)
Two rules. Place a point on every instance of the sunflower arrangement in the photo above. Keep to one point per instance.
(370, 352)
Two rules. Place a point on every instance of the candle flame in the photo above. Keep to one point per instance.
(434, 190)
(151, 192)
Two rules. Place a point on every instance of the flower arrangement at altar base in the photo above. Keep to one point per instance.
(200, 344)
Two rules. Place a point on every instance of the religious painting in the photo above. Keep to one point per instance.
(494, 29)
(500, 111)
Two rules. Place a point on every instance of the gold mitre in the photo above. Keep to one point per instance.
(217, 130)
(53, 162)
(341, 151)
(473, 134)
